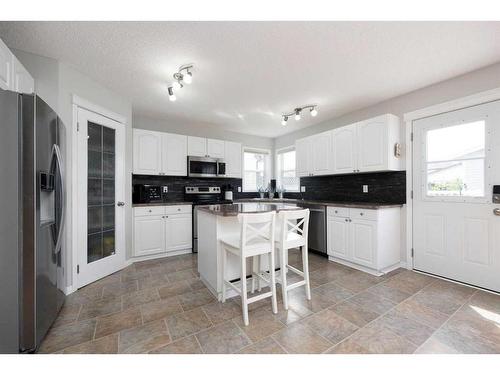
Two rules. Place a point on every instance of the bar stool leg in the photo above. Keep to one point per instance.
(223, 272)
(243, 278)
(254, 272)
(272, 272)
(283, 266)
(259, 281)
(305, 268)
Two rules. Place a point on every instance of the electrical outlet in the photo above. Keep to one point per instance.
(239, 189)
(365, 188)
(165, 189)
(302, 189)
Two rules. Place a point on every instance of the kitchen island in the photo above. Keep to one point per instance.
(217, 221)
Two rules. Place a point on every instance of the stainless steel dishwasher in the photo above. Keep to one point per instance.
(317, 227)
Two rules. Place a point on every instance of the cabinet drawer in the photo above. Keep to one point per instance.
(147, 211)
(362, 213)
(178, 209)
(338, 211)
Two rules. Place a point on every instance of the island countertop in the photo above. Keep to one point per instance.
(246, 207)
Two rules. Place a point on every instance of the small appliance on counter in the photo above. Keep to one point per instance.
(142, 193)
(228, 193)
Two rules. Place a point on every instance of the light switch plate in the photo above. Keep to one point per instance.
(302, 189)
(165, 189)
(239, 189)
(365, 188)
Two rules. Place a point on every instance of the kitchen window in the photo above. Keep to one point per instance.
(256, 169)
(286, 171)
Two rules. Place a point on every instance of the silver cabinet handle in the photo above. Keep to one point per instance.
(361, 214)
(121, 204)
(496, 211)
(150, 211)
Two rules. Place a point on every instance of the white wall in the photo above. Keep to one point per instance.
(56, 83)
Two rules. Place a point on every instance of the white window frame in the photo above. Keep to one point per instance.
(267, 167)
(278, 166)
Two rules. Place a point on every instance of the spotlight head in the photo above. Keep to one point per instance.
(297, 114)
(314, 112)
(171, 95)
(176, 85)
(284, 120)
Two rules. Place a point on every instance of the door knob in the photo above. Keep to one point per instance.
(496, 211)
(120, 204)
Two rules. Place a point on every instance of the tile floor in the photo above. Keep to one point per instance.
(161, 306)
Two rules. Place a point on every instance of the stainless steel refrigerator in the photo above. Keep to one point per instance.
(31, 220)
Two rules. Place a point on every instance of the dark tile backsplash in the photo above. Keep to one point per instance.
(383, 187)
(177, 184)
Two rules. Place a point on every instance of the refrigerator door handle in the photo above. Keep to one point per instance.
(56, 152)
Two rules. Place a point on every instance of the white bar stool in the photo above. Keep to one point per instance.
(294, 228)
(256, 238)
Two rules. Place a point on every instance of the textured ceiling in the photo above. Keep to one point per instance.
(247, 73)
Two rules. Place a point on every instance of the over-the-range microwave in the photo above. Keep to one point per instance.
(206, 167)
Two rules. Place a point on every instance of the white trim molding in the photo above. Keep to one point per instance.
(85, 104)
(449, 106)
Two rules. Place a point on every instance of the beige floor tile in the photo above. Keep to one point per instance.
(411, 330)
(68, 335)
(297, 310)
(357, 281)
(486, 301)
(222, 339)
(134, 275)
(373, 302)
(196, 284)
(435, 346)
(83, 296)
(409, 282)
(140, 297)
(443, 296)
(264, 346)
(174, 289)
(160, 309)
(187, 323)
(104, 345)
(138, 339)
(196, 299)
(413, 309)
(118, 289)
(68, 314)
(181, 275)
(156, 281)
(188, 345)
(378, 339)
(348, 347)
(330, 325)
(389, 292)
(112, 323)
(262, 323)
(354, 313)
(461, 341)
(219, 312)
(101, 307)
(298, 339)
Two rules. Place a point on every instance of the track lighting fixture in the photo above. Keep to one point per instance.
(297, 113)
(183, 75)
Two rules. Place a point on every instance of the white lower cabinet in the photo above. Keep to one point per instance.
(162, 230)
(367, 239)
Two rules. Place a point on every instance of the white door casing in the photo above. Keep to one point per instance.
(113, 261)
(458, 236)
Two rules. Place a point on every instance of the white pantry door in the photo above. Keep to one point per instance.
(456, 158)
(100, 200)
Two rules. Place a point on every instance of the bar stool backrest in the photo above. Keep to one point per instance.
(257, 229)
(294, 222)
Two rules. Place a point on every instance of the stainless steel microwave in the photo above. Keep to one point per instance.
(206, 167)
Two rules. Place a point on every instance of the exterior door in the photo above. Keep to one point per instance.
(101, 211)
(456, 233)
(344, 149)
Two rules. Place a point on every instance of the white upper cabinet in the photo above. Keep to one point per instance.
(197, 146)
(344, 149)
(5, 67)
(233, 158)
(367, 146)
(22, 81)
(215, 148)
(13, 75)
(147, 152)
(174, 155)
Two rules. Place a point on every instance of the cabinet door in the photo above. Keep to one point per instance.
(233, 159)
(179, 232)
(197, 146)
(338, 237)
(22, 81)
(372, 145)
(147, 152)
(363, 242)
(303, 157)
(174, 155)
(215, 148)
(344, 149)
(149, 235)
(321, 152)
(5, 67)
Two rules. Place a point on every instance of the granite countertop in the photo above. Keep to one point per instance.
(365, 205)
(248, 207)
(173, 203)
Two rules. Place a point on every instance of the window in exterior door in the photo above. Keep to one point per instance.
(455, 161)
(101, 192)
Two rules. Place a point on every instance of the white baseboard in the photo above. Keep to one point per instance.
(363, 268)
(158, 256)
